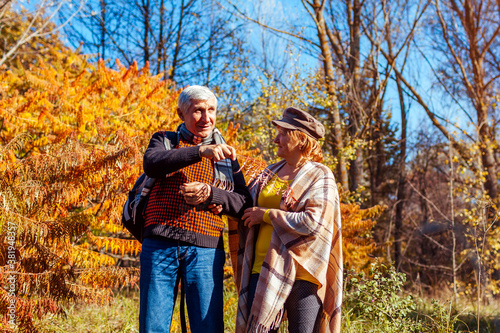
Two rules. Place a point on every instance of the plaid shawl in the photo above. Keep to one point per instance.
(307, 232)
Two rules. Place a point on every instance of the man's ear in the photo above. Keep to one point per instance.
(180, 114)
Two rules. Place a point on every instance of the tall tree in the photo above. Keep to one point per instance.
(469, 38)
(354, 80)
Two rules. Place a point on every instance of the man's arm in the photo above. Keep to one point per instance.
(158, 162)
(233, 203)
(219, 200)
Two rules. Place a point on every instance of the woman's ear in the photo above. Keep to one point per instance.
(302, 143)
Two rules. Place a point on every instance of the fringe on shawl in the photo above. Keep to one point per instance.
(255, 327)
(330, 324)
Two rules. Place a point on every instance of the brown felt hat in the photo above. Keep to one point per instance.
(296, 119)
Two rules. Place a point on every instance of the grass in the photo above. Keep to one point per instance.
(375, 305)
(122, 315)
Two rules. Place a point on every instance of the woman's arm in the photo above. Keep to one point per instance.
(317, 202)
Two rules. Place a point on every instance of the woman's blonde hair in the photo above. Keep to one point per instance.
(310, 148)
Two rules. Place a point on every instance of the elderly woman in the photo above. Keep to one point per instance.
(290, 250)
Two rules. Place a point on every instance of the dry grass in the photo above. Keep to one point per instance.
(122, 315)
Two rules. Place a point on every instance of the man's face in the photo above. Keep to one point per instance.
(200, 117)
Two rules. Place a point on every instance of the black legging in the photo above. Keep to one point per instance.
(303, 305)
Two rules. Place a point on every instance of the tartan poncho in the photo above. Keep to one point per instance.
(307, 231)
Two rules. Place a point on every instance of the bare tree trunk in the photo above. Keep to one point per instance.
(476, 55)
(355, 107)
(401, 194)
(398, 223)
(177, 49)
(487, 154)
(161, 40)
(102, 23)
(452, 217)
(329, 71)
(471, 70)
(210, 49)
(376, 160)
(147, 28)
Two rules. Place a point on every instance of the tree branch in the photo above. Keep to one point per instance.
(243, 16)
(444, 27)
(27, 35)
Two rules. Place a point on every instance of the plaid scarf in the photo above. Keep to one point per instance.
(306, 232)
(223, 170)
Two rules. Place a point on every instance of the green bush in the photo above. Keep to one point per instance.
(376, 303)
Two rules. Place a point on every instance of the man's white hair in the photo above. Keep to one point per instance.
(194, 93)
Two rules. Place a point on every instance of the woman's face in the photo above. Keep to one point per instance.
(287, 148)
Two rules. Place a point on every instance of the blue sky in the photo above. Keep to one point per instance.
(276, 52)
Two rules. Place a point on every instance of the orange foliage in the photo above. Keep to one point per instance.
(357, 241)
(71, 142)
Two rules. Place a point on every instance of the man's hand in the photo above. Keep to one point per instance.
(218, 152)
(215, 208)
(195, 193)
(253, 216)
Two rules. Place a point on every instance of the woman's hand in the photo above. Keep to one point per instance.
(253, 216)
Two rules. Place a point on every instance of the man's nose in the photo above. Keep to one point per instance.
(276, 140)
(204, 116)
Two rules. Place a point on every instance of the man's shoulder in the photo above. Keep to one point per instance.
(170, 137)
(165, 133)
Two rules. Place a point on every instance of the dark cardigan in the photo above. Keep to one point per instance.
(159, 162)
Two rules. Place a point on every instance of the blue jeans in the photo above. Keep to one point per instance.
(202, 270)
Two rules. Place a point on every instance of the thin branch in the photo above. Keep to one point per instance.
(5, 4)
(434, 267)
(445, 88)
(458, 61)
(429, 201)
(27, 36)
(281, 32)
(492, 39)
(432, 239)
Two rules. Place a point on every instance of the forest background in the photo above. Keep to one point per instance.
(408, 91)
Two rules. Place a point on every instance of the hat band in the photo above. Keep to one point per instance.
(300, 127)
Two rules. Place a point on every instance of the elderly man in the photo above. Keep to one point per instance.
(183, 232)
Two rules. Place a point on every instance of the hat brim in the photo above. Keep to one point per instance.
(289, 126)
(286, 125)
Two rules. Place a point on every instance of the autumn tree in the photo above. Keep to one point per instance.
(394, 40)
(463, 39)
(72, 140)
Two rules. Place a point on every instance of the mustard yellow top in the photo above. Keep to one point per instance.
(270, 197)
